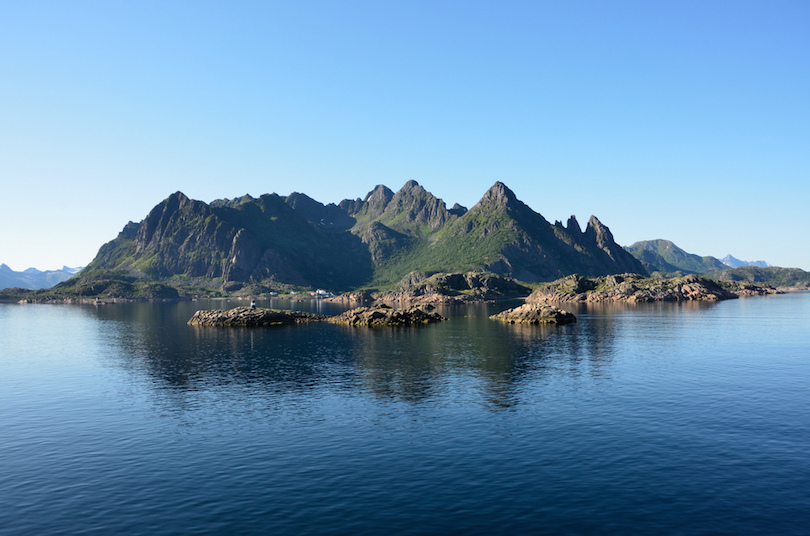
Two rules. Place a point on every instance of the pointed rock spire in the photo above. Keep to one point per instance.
(572, 226)
(598, 232)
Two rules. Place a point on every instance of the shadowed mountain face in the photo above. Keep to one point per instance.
(375, 241)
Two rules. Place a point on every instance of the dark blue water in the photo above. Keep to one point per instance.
(661, 419)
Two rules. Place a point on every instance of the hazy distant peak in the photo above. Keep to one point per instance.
(734, 262)
(32, 278)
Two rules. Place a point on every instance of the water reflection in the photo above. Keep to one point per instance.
(467, 358)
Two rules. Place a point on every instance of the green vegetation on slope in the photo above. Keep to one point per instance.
(664, 256)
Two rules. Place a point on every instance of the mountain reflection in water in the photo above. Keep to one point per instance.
(411, 364)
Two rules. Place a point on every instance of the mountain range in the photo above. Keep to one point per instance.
(32, 278)
(270, 242)
(734, 262)
(256, 245)
(662, 257)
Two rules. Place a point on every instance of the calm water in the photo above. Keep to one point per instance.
(657, 419)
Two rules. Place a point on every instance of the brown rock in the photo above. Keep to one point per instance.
(246, 316)
(384, 315)
(535, 313)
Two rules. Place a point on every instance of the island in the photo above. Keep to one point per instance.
(249, 316)
(385, 315)
(535, 313)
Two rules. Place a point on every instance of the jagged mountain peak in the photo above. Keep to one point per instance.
(412, 190)
(168, 213)
(498, 193)
(412, 209)
(380, 194)
(572, 226)
(410, 185)
(598, 231)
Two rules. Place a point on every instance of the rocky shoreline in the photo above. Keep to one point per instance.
(634, 288)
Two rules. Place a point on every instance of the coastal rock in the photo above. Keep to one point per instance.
(246, 316)
(535, 313)
(745, 289)
(351, 297)
(630, 288)
(384, 315)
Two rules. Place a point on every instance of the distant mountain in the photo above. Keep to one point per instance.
(664, 256)
(784, 278)
(734, 262)
(33, 278)
(251, 245)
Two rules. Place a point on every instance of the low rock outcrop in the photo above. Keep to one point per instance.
(745, 289)
(535, 313)
(630, 288)
(246, 316)
(384, 315)
(352, 297)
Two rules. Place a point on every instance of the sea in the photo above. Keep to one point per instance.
(668, 418)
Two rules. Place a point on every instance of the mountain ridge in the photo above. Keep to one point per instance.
(251, 244)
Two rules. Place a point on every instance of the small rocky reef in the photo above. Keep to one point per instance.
(247, 316)
(535, 313)
(384, 315)
(635, 288)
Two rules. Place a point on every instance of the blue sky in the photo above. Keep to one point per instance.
(688, 120)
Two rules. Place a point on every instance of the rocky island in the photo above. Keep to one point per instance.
(247, 316)
(384, 315)
(535, 313)
(375, 315)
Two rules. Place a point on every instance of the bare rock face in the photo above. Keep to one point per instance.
(383, 315)
(246, 316)
(535, 313)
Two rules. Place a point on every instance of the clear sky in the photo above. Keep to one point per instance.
(686, 120)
